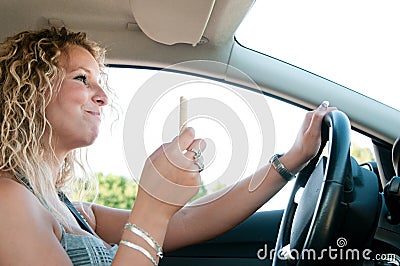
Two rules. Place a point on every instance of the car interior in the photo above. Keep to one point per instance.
(333, 198)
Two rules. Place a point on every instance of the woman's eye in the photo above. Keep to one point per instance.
(82, 78)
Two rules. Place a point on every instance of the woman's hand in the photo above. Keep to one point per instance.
(171, 176)
(308, 139)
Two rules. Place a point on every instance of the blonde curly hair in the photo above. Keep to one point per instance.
(30, 77)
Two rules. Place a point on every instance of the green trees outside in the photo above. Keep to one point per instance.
(362, 155)
(114, 191)
(120, 192)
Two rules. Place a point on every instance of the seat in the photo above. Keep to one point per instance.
(392, 188)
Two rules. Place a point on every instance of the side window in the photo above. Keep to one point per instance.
(242, 129)
(237, 125)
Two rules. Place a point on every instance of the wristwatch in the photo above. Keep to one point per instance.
(280, 168)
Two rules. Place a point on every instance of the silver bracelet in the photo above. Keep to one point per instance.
(146, 236)
(140, 249)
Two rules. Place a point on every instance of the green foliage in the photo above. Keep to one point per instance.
(120, 192)
(115, 191)
(362, 155)
(201, 193)
(218, 186)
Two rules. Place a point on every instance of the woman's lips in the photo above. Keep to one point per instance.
(95, 114)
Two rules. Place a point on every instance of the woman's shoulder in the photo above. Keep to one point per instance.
(18, 203)
(28, 228)
(12, 191)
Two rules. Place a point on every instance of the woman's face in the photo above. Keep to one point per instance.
(75, 113)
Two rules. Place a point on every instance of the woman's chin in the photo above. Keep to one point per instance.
(89, 140)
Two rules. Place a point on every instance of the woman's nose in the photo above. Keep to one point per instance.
(100, 98)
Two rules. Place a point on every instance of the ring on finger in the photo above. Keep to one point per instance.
(200, 165)
(197, 154)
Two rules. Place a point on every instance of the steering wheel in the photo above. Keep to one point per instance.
(308, 222)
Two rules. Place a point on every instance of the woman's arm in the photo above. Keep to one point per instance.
(169, 180)
(108, 223)
(214, 214)
(209, 216)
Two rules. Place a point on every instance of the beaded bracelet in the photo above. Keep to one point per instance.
(140, 249)
(146, 236)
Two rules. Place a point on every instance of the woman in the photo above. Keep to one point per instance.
(51, 101)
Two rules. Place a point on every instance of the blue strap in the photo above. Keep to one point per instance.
(79, 218)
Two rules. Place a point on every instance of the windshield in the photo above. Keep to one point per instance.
(353, 43)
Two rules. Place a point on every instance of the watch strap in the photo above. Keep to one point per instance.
(280, 168)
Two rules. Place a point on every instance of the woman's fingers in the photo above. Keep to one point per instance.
(184, 140)
(194, 153)
(185, 152)
(309, 137)
(319, 114)
(171, 173)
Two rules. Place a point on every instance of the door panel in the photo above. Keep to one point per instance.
(246, 244)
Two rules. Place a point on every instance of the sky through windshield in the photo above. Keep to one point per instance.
(353, 43)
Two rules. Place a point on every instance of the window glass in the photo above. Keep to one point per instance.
(237, 125)
(219, 113)
(353, 43)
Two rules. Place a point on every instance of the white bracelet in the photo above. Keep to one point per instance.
(146, 236)
(140, 249)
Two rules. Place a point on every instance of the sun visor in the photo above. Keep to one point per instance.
(173, 21)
